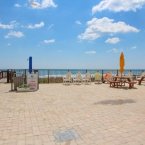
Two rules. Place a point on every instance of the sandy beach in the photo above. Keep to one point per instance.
(72, 115)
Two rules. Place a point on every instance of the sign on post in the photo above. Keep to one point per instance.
(32, 81)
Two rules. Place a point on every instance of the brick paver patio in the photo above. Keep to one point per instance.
(72, 115)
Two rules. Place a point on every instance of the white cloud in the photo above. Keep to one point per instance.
(96, 27)
(114, 50)
(118, 5)
(49, 41)
(113, 40)
(16, 34)
(133, 48)
(17, 5)
(88, 36)
(78, 22)
(36, 4)
(36, 26)
(11, 25)
(90, 52)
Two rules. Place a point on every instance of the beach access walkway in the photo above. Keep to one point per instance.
(57, 114)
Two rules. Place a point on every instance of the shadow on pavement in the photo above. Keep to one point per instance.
(115, 102)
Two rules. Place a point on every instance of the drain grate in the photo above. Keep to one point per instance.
(67, 135)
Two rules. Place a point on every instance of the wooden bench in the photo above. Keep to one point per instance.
(114, 83)
(131, 84)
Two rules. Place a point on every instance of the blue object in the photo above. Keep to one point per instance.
(30, 64)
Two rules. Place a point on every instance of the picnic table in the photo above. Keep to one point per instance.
(119, 81)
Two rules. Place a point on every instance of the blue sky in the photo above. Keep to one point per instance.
(72, 34)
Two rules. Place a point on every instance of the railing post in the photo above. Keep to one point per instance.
(7, 76)
(102, 76)
(117, 72)
(12, 75)
(25, 75)
(48, 76)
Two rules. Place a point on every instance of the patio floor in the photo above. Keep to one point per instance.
(73, 115)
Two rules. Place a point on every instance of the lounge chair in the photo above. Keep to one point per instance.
(67, 79)
(141, 78)
(98, 78)
(107, 77)
(87, 78)
(78, 79)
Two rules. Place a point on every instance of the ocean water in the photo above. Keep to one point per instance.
(44, 73)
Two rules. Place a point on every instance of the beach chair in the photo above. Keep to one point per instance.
(107, 77)
(78, 79)
(98, 78)
(67, 79)
(87, 78)
(141, 78)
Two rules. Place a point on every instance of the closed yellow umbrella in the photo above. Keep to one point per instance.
(122, 63)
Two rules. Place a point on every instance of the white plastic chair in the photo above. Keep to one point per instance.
(87, 78)
(67, 79)
(98, 78)
(78, 78)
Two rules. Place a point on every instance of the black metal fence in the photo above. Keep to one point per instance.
(56, 75)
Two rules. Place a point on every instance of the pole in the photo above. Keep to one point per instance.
(12, 75)
(25, 76)
(102, 76)
(117, 72)
(48, 76)
(7, 76)
(30, 64)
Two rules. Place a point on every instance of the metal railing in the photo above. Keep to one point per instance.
(56, 75)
